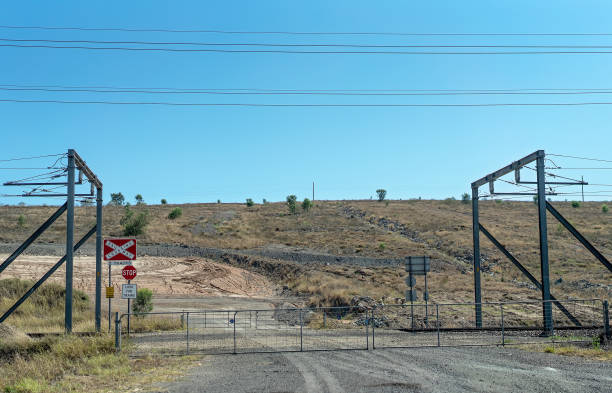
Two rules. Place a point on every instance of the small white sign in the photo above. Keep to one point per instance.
(120, 263)
(128, 291)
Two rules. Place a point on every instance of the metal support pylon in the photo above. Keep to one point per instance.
(544, 269)
(75, 162)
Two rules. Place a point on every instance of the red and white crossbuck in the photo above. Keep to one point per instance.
(120, 249)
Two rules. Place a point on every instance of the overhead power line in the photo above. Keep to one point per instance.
(579, 158)
(309, 52)
(85, 89)
(31, 158)
(304, 105)
(219, 31)
(302, 45)
(302, 90)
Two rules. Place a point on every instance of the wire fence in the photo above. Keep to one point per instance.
(346, 328)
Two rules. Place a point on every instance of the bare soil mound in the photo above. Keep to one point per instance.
(165, 276)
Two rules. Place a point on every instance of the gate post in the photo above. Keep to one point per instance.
(187, 331)
(373, 327)
(117, 333)
(235, 313)
(606, 316)
(438, 322)
(301, 332)
(367, 330)
(501, 308)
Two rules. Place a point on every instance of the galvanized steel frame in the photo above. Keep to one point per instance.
(75, 162)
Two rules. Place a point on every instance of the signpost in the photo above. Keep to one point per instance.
(416, 266)
(118, 252)
(129, 272)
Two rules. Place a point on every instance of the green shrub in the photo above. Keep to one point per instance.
(307, 205)
(144, 301)
(575, 204)
(117, 199)
(381, 193)
(382, 246)
(139, 199)
(164, 201)
(291, 203)
(264, 201)
(604, 208)
(218, 200)
(175, 213)
(21, 220)
(249, 202)
(134, 224)
(465, 198)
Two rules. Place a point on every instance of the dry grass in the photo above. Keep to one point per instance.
(43, 311)
(79, 364)
(443, 231)
(155, 324)
(70, 363)
(587, 352)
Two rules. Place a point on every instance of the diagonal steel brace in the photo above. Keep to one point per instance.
(46, 276)
(579, 236)
(33, 237)
(527, 274)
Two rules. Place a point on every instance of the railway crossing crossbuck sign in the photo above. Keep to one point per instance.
(120, 249)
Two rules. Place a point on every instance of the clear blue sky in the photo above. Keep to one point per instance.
(201, 154)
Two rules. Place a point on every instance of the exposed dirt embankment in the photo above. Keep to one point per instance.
(165, 276)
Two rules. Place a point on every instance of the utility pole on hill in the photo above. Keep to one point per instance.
(313, 191)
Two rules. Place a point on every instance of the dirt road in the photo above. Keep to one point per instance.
(397, 370)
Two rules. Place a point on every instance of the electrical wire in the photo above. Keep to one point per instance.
(24, 168)
(44, 176)
(579, 158)
(311, 52)
(306, 90)
(519, 185)
(301, 45)
(295, 92)
(219, 31)
(31, 158)
(306, 105)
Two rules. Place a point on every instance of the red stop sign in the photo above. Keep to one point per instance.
(129, 272)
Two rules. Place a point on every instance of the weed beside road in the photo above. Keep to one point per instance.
(70, 363)
(79, 364)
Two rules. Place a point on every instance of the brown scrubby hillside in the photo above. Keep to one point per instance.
(442, 229)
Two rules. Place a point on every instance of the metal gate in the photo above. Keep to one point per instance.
(346, 328)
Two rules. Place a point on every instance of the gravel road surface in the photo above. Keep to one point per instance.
(397, 370)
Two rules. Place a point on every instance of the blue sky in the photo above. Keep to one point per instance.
(201, 154)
